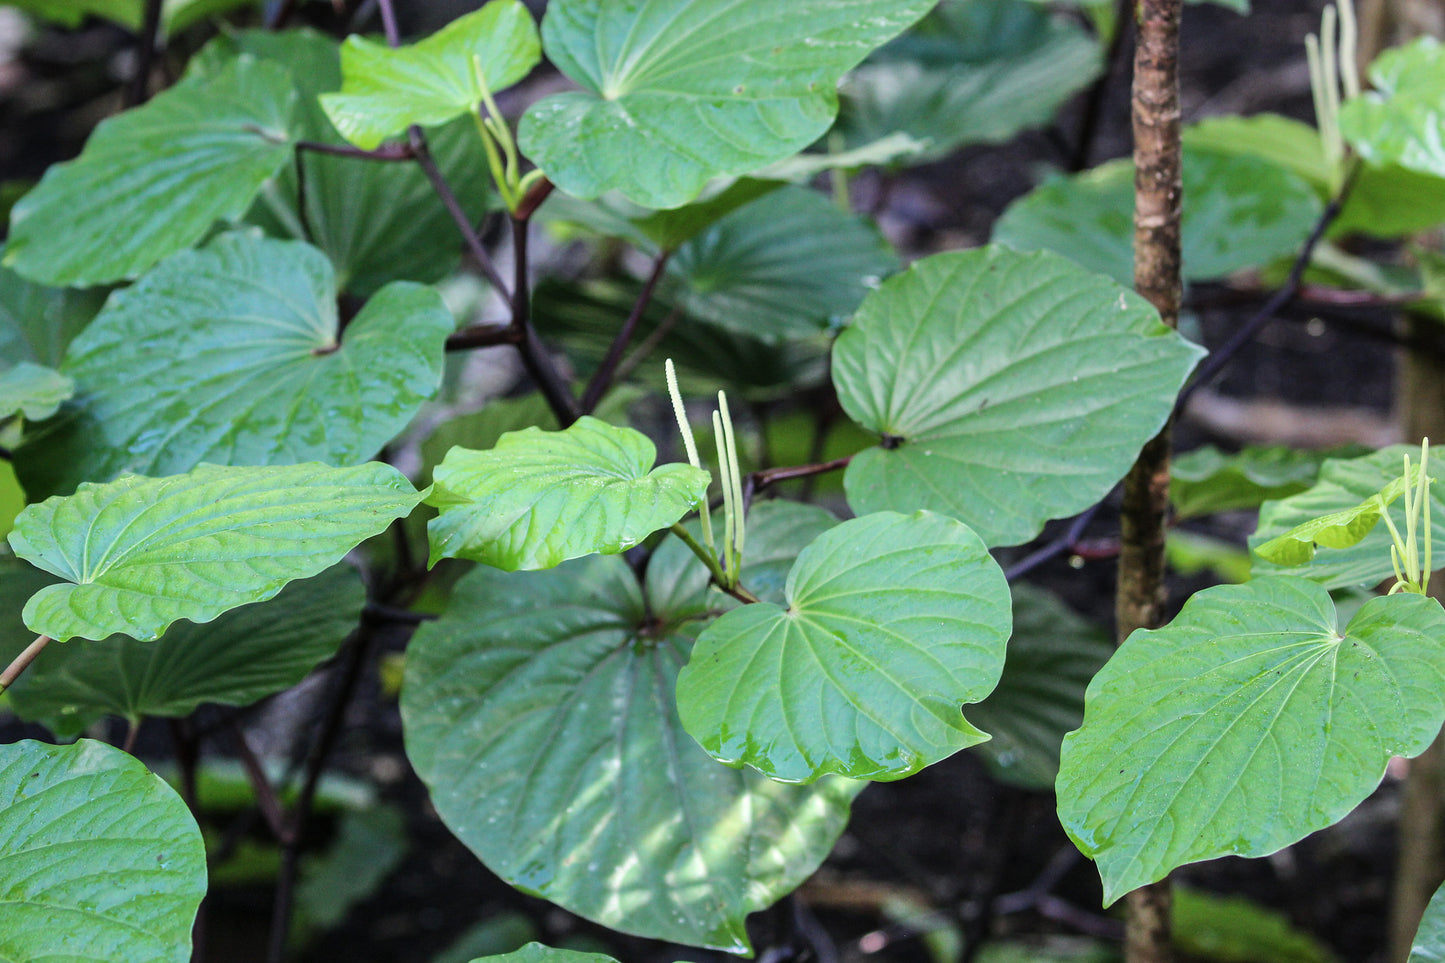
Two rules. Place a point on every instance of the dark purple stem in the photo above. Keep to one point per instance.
(602, 378)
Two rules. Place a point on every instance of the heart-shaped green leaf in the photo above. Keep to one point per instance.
(1429, 944)
(33, 391)
(246, 654)
(387, 89)
(677, 92)
(1246, 724)
(541, 497)
(1052, 655)
(1402, 121)
(153, 180)
(231, 355)
(144, 552)
(1010, 388)
(787, 265)
(1344, 484)
(892, 622)
(973, 72)
(1240, 211)
(102, 859)
(377, 222)
(540, 711)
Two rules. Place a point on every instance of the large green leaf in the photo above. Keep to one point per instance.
(676, 92)
(1343, 484)
(1240, 211)
(153, 180)
(540, 711)
(1402, 121)
(232, 355)
(1010, 388)
(32, 390)
(387, 89)
(1384, 201)
(244, 655)
(892, 621)
(789, 264)
(1052, 655)
(378, 222)
(973, 72)
(1207, 480)
(38, 322)
(102, 861)
(144, 552)
(541, 497)
(1246, 724)
(1429, 945)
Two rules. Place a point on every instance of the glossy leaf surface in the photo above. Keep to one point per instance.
(1402, 121)
(787, 265)
(153, 180)
(677, 92)
(540, 711)
(1239, 212)
(1010, 389)
(892, 622)
(32, 391)
(102, 860)
(1052, 655)
(230, 355)
(387, 89)
(1246, 724)
(246, 654)
(144, 552)
(1344, 484)
(973, 72)
(541, 497)
(378, 222)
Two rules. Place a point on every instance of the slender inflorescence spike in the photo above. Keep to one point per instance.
(729, 509)
(1428, 567)
(739, 526)
(689, 444)
(1349, 49)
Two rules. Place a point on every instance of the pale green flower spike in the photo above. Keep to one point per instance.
(690, 445)
(1411, 573)
(732, 489)
(492, 129)
(1331, 57)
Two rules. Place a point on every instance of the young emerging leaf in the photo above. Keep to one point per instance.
(102, 859)
(1246, 724)
(153, 180)
(1403, 120)
(1341, 529)
(541, 497)
(1343, 483)
(144, 552)
(540, 711)
(1240, 211)
(232, 355)
(32, 391)
(386, 89)
(246, 654)
(1010, 388)
(677, 92)
(892, 622)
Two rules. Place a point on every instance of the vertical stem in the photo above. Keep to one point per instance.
(606, 372)
(388, 23)
(534, 356)
(150, 34)
(1158, 191)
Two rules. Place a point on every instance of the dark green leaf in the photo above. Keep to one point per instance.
(37, 322)
(680, 91)
(144, 552)
(1240, 211)
(541, 497)
(540, 712)
(892, 621)
(368, 845)
(153, 180)
(1010, 388)
(102, 860)
(1246, 724)
(1230, 929)
(1207, 480)
(387, 89)
(231, 355)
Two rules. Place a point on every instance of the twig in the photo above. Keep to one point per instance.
(602, 378)
(535, 357)
(760, 480)
(481, 336)
(267, 799)
(422, 153)
(395, 151)
(1246, 333)
(1064, 543)
(648, 345)
(533, 199)
(150, 34)
(22, 661)
(388, 23)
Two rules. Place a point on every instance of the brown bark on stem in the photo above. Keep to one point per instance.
(1158, 191)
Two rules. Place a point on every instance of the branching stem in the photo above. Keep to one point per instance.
(607, 371)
